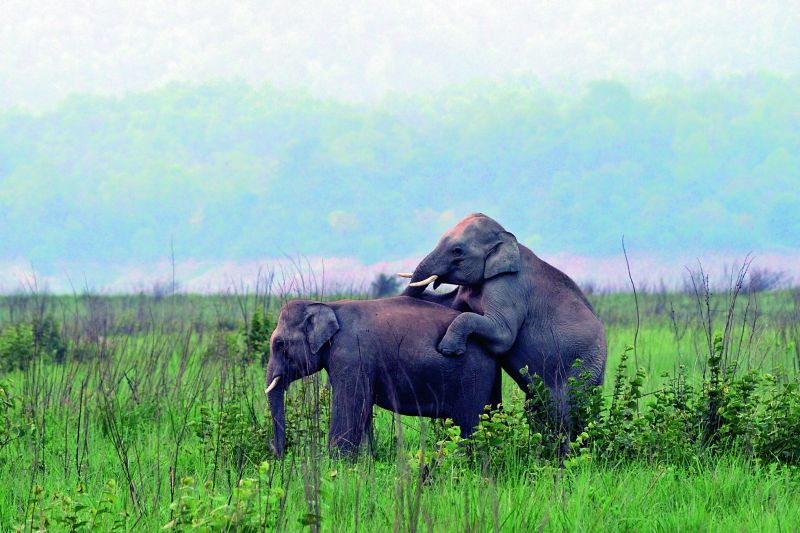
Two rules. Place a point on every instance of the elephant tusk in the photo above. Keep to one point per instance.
(405, 274)
(272, 385)
(423, 282)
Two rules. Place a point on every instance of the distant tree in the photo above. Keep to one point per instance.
(384, 286)
(590, 287)
(257, 336)
(207, 160)
(765, 279)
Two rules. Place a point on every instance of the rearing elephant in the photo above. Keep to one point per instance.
(523, 309)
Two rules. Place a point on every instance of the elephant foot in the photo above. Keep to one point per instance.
(451, 347)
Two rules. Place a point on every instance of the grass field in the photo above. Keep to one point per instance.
(135, 413)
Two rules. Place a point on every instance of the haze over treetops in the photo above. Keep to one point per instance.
(233, 172)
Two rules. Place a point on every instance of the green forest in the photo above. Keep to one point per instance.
(229, 170)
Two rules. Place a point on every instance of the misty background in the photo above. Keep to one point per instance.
(347, 138)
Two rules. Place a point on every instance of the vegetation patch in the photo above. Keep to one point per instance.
(112, 424)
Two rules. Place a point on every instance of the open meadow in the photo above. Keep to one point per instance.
(139, 412)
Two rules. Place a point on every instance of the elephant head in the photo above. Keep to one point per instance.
(476, 249)
(296, 347)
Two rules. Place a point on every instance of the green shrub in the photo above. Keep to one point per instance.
(257, 336)
(620, 434)
(778, 425)
(16, 347)
(752, 415)
(504, 437)
(14, 421)
(48, 339)
(75, 512)
(19, 344)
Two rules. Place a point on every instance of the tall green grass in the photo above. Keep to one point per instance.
(155, 415)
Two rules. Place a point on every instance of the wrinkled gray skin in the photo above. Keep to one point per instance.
(377, 352)
(523, 310)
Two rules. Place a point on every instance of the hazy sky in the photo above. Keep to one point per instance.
(358, 50)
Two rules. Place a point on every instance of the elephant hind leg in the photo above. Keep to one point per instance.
(567, 400)
(369, 432)
(467, 423)
(561, 409)
(468, 415)
(496, 399)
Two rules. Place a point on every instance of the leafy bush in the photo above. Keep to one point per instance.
(621, 432)
(19, 343)
(14, 421)
(48, 338)
(246, 343)
(257, 336)
(503, 436)
(16, 347)
(75, 512)
(754, 415)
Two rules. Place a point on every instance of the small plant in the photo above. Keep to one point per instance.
(253, 505)
(713, 392)
(671, 420)
(451, 445)
(621, 432)
(542, 416)
(232, 436)
(779, 424)
(585, 400)
(14, 421)
(16, 347)
(76, 511)
(503, 436)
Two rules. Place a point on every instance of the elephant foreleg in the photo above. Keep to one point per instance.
(351, 414)
(495, 333)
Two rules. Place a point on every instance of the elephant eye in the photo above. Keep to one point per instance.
(457, 251)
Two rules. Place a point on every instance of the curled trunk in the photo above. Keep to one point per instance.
(423, 271)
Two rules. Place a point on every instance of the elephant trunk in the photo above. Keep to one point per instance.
(423, 272)
(276, 398)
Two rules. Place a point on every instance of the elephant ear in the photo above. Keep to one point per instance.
(321, 325)
(503, 257)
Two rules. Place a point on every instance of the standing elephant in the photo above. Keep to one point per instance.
(377, 352)
(522, 309)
